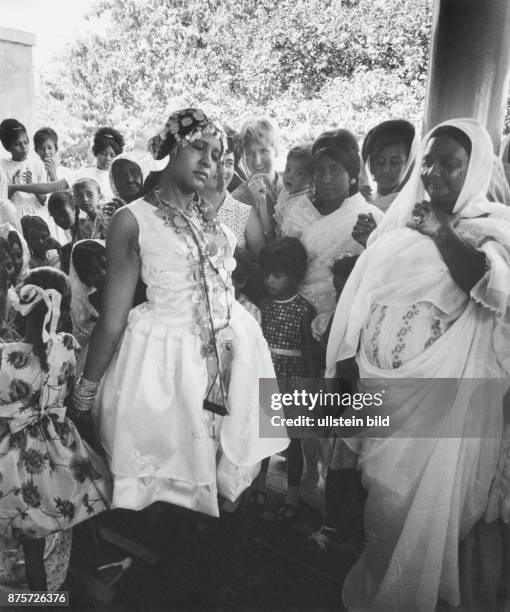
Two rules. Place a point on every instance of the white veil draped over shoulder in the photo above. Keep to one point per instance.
(421, 274)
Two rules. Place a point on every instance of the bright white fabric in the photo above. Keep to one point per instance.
(326, 240)
(161, 443)
(294, 213)
(425, 494)
(27, 203)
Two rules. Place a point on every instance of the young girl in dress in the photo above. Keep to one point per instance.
(51, 478)
(286, 321)
(21, 169)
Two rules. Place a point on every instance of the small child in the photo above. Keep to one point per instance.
(62, 209)
(294, 210)
(87, 274)
(51, 479)
(286, 320)
(44, 250)
(344, 494)
(240, 279)
(88, 197)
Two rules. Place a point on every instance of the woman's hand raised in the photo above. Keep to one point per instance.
(365, 225)
(430, 220)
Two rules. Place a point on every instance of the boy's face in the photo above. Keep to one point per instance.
(37, 240)
(64, 216)
(87, 197)
(260, 157)
(47, 150)
(296, 176)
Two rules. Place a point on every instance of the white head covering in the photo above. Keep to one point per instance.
(472, 200)
(83, 314)
(141, 159)
(419, 275)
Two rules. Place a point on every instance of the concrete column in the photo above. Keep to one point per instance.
(469, 63)
(17, 95)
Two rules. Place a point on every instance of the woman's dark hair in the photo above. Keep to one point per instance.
(44, 134)
(245, 266)
(150, 182)
(14, 239)
(342, 147)
(60, 198)
(47, 278)
(391, 132)
(460, 137)
(82, 255)
(107, 137)
(234, 144)
(31, 222)
(344, 266)
(10, 129)
(286, 255)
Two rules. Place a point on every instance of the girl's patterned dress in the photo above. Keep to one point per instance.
(50, 479)
(282, 324)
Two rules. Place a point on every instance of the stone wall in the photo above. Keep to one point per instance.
(17, 96)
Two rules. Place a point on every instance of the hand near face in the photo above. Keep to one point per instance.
(51, 168)
(257, 187)
(429, 219)
(364, 226)
(110, 207)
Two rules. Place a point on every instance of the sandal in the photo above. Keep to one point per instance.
(285, 513)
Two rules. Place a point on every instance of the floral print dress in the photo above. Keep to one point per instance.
(50, 479)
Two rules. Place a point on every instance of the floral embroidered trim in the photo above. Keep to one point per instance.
(401, 334)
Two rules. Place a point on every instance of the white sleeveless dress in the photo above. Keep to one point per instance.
(161, 443)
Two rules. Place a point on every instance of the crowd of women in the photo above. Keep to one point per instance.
(142, 300)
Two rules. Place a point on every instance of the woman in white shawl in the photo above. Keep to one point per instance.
(428, 300)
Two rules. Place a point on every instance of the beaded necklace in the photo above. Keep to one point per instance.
(193, 230)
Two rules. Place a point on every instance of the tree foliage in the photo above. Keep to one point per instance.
(310, 64)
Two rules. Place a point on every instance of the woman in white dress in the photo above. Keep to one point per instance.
(179, 409)
(108, 143)
(428, 300)
(22, 168)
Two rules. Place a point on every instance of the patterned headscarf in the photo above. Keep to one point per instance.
(183, 127)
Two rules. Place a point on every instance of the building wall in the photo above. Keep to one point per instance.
(17, 95)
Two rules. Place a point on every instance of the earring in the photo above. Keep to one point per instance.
(353, 181)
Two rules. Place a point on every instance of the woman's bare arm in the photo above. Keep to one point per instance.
(39, 188)
(122, 273)
(254, 233)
